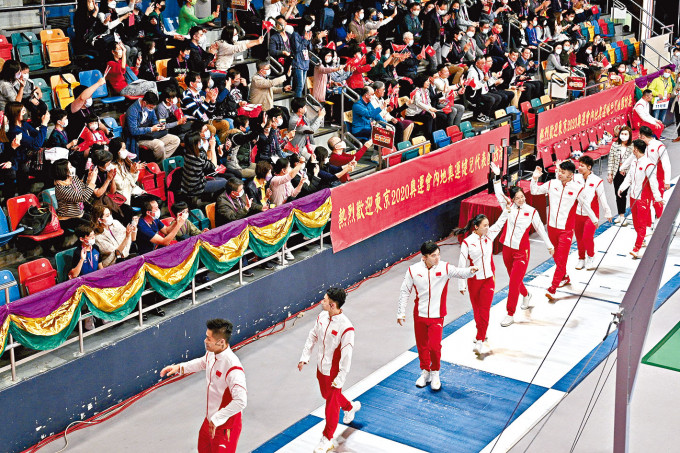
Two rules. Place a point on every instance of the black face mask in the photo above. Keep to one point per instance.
(162, 8)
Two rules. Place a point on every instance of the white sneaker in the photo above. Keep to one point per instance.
(282, 260)
(349, 415)
(580, 264)
(424, 379)
(619, 219)
(478, 347)
(289, 256)
(644, 243)
(435, 383)
(590, 263)
(324, 445)
(625, 222)
(526, 302)
(508, 320)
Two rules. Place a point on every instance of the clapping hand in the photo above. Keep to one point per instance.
(537, 173)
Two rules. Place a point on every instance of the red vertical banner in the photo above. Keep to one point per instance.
(373, 204)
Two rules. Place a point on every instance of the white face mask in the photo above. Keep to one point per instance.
(206, 135)
(175, 101)
(93, 127)
(202, 40)
(152, 51)
(90, 242)
(108, 221)
(329, 59)
(470, 34)
(624, 137)
(524, 25)
(341, 145)
(199, 86)
(279, 122)
(64, 122)
(328, 159)
(486, 30)
(211, 83)
(344, 21)
(112, 5)
(24, 76)
(119, 54)
(666, 75)
(72, 171)
(123, 153)
(409, 43)
(109, 167)
(535, 23)
(361, 16)
(240, 194)
(157, 214)
(558, 51)
(567, 49)
(204, 145)
(442, 12)
(267, 72)
(588, 51)
(289, 29)
(308, 27)
(235, 37)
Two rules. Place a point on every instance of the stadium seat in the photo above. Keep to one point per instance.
(454, 132)
(152, 180)
(403, 145)
(410, 154)
(171, 163)
(170, 24)
(441, 139)
(418, 140)
(162, 67)
(546, 99)
(48, 196)
(545, 154)
(619, 55)
(596, 28)
(516, 119)
(55, 48)
(210, 211)
(612, 55)
(62, 86)
(167, 221)
(536, 104)
(562, 149)
(199, 219)
(46, 92)
(6, 276)
(500, 114)
(529, 118)
(17, 207)
(5, 48)
(36, 276)
(64, 260)
(6, 232)
(172, 182)
(466, 129)
(89, 78)
(112, 125)
(28, 49)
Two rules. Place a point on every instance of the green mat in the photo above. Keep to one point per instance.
(666, 354)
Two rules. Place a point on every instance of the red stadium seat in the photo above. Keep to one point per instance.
(17, 207)
(529, 118)
(152, 180)
(5, 48)
(37, 275)
(545, 154)
(455, 133)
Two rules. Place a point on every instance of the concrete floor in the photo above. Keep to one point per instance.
(168, 419)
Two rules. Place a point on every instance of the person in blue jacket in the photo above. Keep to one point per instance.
(301, 45)
(363, 113)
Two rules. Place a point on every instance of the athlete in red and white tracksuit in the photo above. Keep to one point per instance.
(516, 248)
(643, 184)
(477, 250)
(564, 194)
(226, 399)
(656, 152)
(585, 229)
(431, 285)
(334, 334)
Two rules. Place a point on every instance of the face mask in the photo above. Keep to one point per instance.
(17, 75)
(624, 137)
(211, 83)
(410, 43)
(122, 153)
(267, 72)
(470, 34)
(108, 221)
(112, 5)
(361, 16)
(567, 49)
(328, 159)
(666, 75)
(308, 27)
(622, 70)
(204, 145)
(93, 127)
(534, 23)
(156, 214)
(199, 86)
(201, 40)
(486, 31)
(109, 167)
(90, 242)
(374, 17)
(341, 145)
(589, 51)
(64, 122)
(329, 59)
(235, 37)
(524, 25)
(289, 29)
(72, 171)
(119, 54)
(187, 55)
(152, 51)
(24, 76)
(206, 135)
(416, 12)
(442, 12)
(175, 101)
(344, 21)
(279, 122)
(240, 193)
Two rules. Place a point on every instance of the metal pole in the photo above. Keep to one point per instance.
(12, 359)
(342, 113)
(193, 291)
(240, 271)
(80, 336)
(141, 315)
(321, 241)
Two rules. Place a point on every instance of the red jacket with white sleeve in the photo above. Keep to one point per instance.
(227, 394)
(656, 152)
(335, 336)
(520, 220)
(476, 250)
(594, 191)
(563, 199)
(642, 172)
(431, 287)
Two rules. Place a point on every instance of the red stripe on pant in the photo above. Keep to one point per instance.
(225, 440)
(585, 236)
(642, 218)
(429, 341)
(561, 240)
(481, 297)
(516, 262)
(658, 207)
(334, 401)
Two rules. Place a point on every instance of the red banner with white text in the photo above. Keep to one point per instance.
(372, 204)
(571, 118)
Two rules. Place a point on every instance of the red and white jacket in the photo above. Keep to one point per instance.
(656, 152)
(431, 287)
(594, 191)
(227, 395)
(563, 199)
(336, 343)
(520, 219)
(476, 250)
(638, 178)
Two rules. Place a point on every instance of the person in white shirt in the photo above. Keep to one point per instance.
(642, 180)
(584, 228)
(430, 278)
(642, 117)
(227, 393)
(477, 250)
(564, 194)
(335, 334)
(516, 248)
(656, 152)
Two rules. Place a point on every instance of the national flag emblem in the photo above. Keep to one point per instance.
(526, 214)
(571, 193)
(398, 47)
(218, 373)
(331, 45)
(438, 274)
(334, 332)
(267, 25)
(430, 51)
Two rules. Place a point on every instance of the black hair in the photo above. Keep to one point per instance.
(9, 71)
(195, 29)
(429, 247)
(151, 98)
(148, 206)
(101, 157)
(191, 77)
(220, 328)
(640, 145)
(232, 73)
(60, 170)
(57, 114)
(234, 183)
(337, 295)
(646, 131)
(568, 165)
(644, 93)
(91, 118)
(262, 169)
(116, 145)
(514, 190)
(587, 160)
(241, 121)
(280, 164)
(178, 207)
(274, 112)
(297, 103)
(83, 230)
(472, 223)
(169, 92)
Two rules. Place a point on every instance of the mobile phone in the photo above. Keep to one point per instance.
(162, 121)
(135, 220)
(88, 164)
(18, 137)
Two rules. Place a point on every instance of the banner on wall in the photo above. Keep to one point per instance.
(369, 205)
(571, 118)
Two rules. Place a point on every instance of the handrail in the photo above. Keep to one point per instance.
(313, 103)
(646, 12)
(353, 140)
(277, 68)
(656, 52)
(345, 92)
(314, 58)
(350, 94)
(547, 46)
(386, 158)
(577, 71)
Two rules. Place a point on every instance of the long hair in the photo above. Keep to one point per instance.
(13, 113)
(9, 71)
(97, 213)
(193, 141)
(470, 227)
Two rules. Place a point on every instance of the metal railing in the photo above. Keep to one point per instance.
(313, 103)
(619, 5)
(42, 6)
(346, 92)
(277, 68)
(314, 58)
(385, 160)
(141, 310)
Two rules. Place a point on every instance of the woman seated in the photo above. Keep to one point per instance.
(198, 167)
(420, 109)
(127, 173)
(117, 69)
(25, 160)
(111, 237)
(72, 194)
(105, 191)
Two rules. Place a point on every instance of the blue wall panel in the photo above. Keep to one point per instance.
(101, 378)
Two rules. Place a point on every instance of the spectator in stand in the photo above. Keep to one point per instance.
(32, 94)
(169, 112)
(402, 128)
(105, 191)
(304, 127)
(71, 193)
(554, 64)
(197, 167)
(662, 89)
(112, 17)
(412, 20)
(241, 147)
(87, 260)
(280, 43)
(30, 142)
(274, 8)
(642, 117)
(188, 229)
(116, 70)
(433, 34)
(357, 26)
(143, 127)
(233, 204)
(151, 233)
(127, 174)
(178, 67)
(195, 105)
(409, 66)
(280, 184)
(78, 110)
(332, 175)
(147, 67)
(59, 137)
(339, 155)
(301, 45)
(262, 89)
(440, 82)
(358, 67)
(526, 59)
(200, 59)
(10, 75)
(90, 136)
(256, 189)
(321, 75)
(420, 109)
(229, 45)
(339, 33)
(111, 238)
(484, 102)
(363, 113)
(268, 142)
(188, 20)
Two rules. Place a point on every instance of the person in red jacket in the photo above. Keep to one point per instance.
(91, 135)
(358, 67)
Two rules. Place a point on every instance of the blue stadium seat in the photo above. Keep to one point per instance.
(6, 276)
(516, 119)
(46, 91)
(63, 261)
(441, 139)
(89, 78)
(6, 233)
(112, 125)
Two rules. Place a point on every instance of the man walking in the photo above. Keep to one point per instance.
(335, 333)
(430, 278)
(227, 395)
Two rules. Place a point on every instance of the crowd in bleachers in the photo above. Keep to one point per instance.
(144, 114)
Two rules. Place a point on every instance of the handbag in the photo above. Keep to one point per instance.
(53, 224)
(117, 198)
(130, 76)
(35, 220)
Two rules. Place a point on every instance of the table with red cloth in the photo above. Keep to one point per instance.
(487, 204)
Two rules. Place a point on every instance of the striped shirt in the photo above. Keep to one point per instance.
(70, 198)
(194, 105)
(194, 172)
